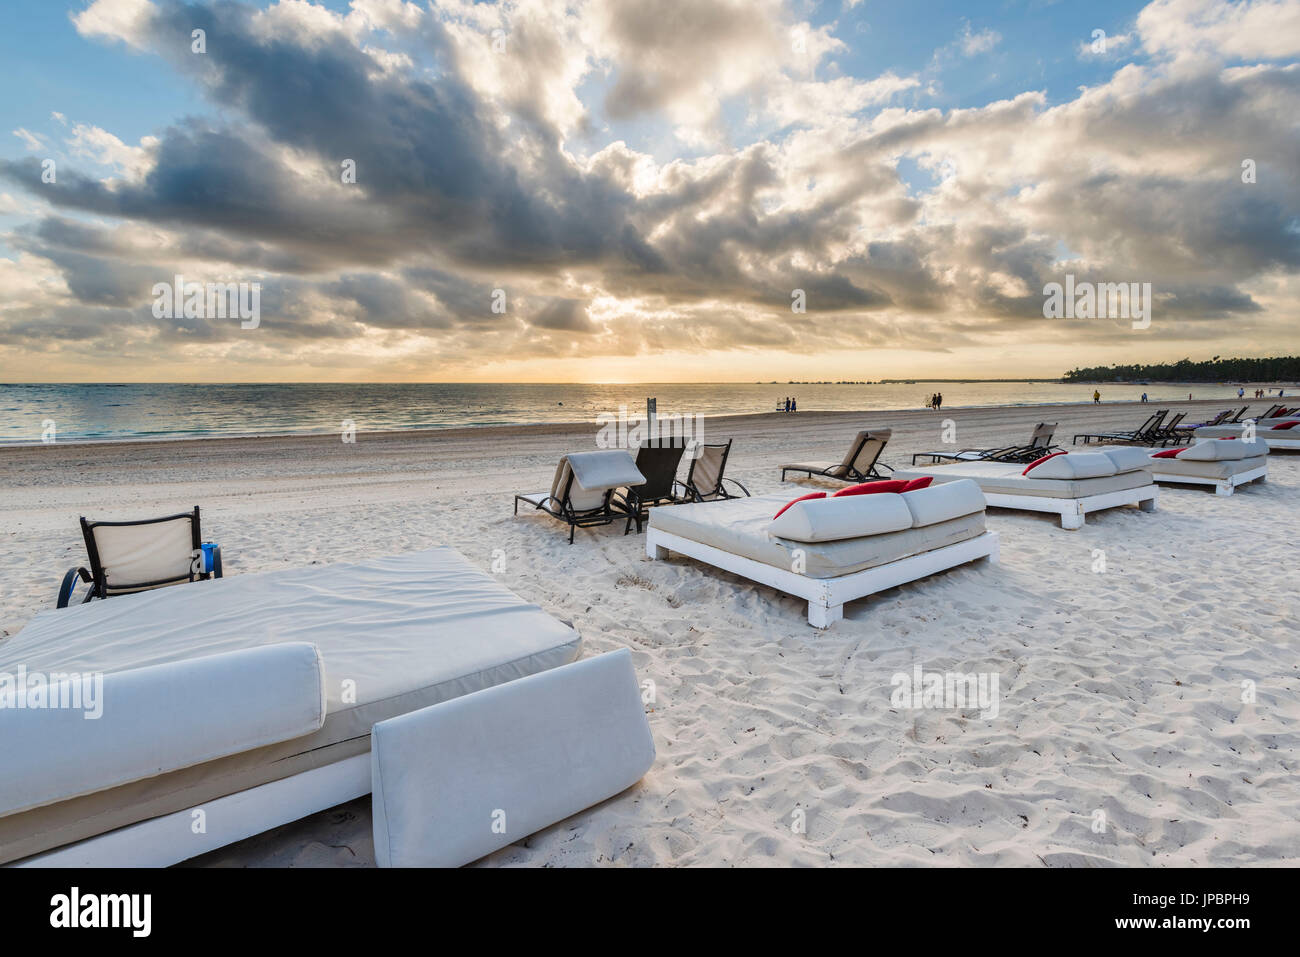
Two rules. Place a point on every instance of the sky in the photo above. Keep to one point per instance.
(642, 190)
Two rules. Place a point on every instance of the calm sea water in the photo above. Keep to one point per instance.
(98, 412)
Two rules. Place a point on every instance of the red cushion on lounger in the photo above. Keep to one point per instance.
(871, 488)
(1287, 425)
(922, 482)
(1038, 462)
(1168, 453)
(801, 498)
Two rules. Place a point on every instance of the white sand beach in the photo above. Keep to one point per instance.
(1121, 692)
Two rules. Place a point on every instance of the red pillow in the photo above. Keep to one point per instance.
(871, 488)
(1168, 453)
(1287, 425)
(801, 498)
(922, 482)
(1038, 462)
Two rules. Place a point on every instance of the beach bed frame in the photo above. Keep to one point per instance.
(1074, 510)
(1222, 486)
(826, 596)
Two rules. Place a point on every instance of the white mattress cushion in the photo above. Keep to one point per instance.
(464, 778)
(1075, 465)
(942, 502)
(848, 516)
(1126, 458)
(160, 718)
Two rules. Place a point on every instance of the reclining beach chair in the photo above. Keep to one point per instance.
(1239, 414)
(1142, 433)
(582, 488)
(858, 465)
(127, 557)
(705, 481)
(1040, 443)
(658, 463)
(1171, 431)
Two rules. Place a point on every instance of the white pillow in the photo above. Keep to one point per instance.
(456, 781)
(1223, 450)
(158, 719)
(849, 516)
(1074, 465)
(1127, 458)
(939, 503)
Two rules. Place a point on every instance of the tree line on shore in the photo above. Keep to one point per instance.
(1218, 369)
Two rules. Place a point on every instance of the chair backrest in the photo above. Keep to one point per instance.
(1042, 436)
(705, 473)
(1240, 413)
(566, 490)
(1173, 423)
(136, 556)
(869, 451)
(1152, 423)
(658, 463)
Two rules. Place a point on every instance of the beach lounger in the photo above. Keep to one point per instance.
(1145, 433)
(128, 557)
(583, 488)
(1279, 434)
(1040, 443)
(190, 726)
(658, 463)
(859, 464)
(705, 479)
(1224, 464)
(1070, 485)
(454, 782)
(830, 550)
(1172, 431)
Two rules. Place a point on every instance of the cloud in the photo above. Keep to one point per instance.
(480, 169)
(1250, 29)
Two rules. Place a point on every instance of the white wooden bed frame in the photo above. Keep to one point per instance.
(826, 596)
(1073, 510)
(1279, 443)
(169, 839)
(1221, 486)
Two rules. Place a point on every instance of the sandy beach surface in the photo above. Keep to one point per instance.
(1127, 731)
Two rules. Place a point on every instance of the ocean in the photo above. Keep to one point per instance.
(94, 412)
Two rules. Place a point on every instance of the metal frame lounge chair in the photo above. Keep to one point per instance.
(705, 479)
(859, 465)
(1142, 433)
(134, 556)
(583, 486)
(1040, 444)
(1171, 431)
(658, 463)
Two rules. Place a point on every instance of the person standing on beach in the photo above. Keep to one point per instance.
(787, 403)
(1144, 397)
(1096, 397)
(938, 400)
(794, 405)
(1240, 392)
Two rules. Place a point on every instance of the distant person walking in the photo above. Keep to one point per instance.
(787, 403)
(938, 400)
(794, 405)
(1096, 397)
(1144, 397)
(1240, 392)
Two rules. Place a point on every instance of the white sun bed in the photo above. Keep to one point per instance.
(393, 635)
(1267, 431)
(1070, 485)
(1224, 464)
(831, 550)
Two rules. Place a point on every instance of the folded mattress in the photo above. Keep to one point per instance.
(395, 634)
(1006, 479)
(739, 526)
